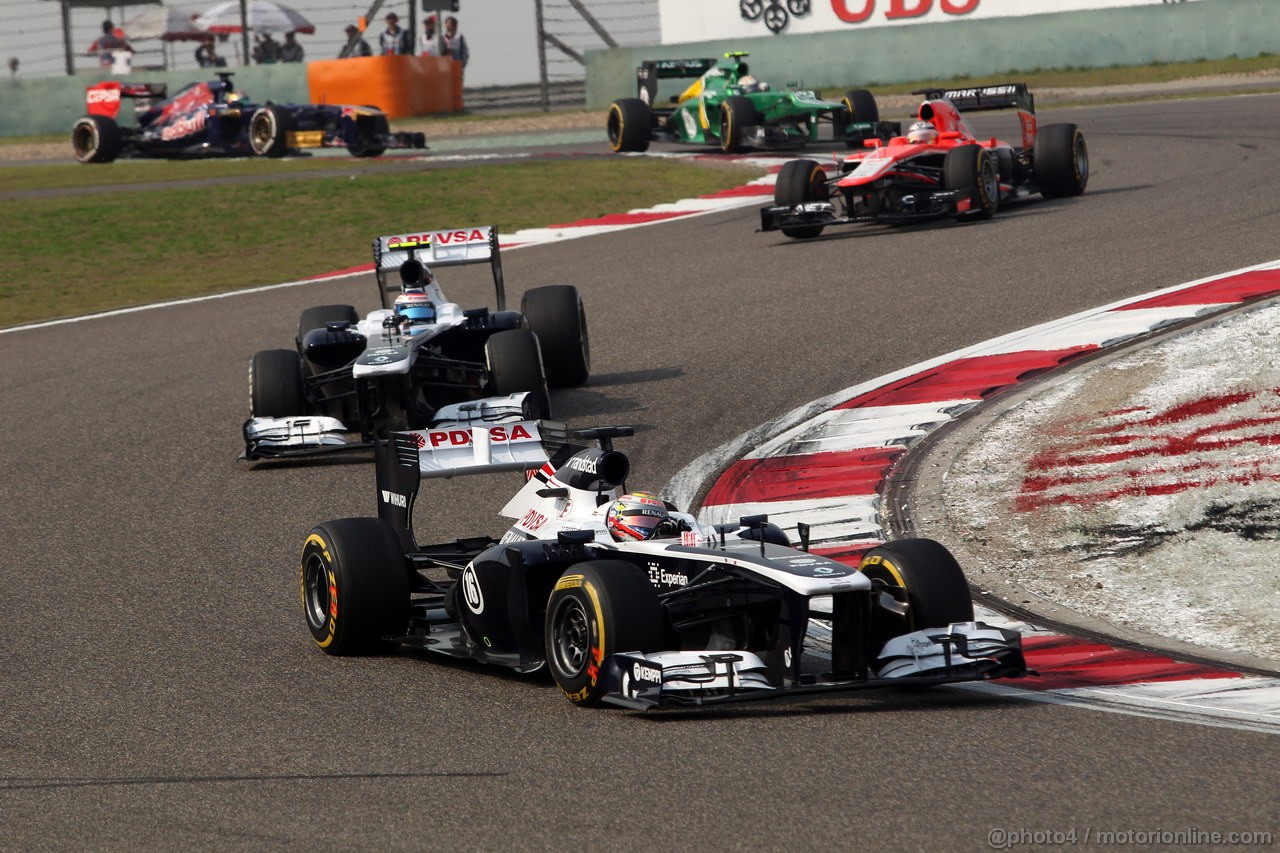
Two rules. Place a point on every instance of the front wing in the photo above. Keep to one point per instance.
(965, 651)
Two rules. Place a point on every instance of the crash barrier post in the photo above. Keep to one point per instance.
(398, 85)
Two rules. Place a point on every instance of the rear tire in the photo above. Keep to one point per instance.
(1061, 160)
(515, 365)
(598, 609)
(95, 139)
(630, 125)
(736, 115)
(556, 316)
(973, 168)
(923, 574)
(859, 105)
(354, 586)
(276, 388)
(800, 182)
(320, 315)
(269, 131)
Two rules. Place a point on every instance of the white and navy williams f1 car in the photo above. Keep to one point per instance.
(690, 616)
(419, 354)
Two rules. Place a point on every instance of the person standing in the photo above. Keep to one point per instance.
(106, 45)
(395, 41)
(430, 43)
(207, 54)
(356, 45)
(267, 50)
(455, 43)
(291, 51)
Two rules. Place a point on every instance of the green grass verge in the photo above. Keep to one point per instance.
(74, 255)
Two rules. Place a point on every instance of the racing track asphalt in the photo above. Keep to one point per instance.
(160, 689)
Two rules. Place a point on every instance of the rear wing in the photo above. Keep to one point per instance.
(649, 72)
(452, 247)
(404, 459)
(1004, 96)
(103, 99)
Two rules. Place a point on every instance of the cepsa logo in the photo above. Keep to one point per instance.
(857, 11)
(462, 437)
(102, 96)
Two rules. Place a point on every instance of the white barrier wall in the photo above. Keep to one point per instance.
(685, 21)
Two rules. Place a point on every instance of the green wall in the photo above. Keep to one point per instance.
(51, 104)
(1135, 35)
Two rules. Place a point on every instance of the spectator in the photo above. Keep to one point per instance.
(207, 54)
(106, 45)
(291, 51)
(430, 43)
(267, 50)
(356, 45)
(395, 41)
(455, 43)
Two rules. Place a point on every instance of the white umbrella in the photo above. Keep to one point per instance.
(265, 16)
(163, 22)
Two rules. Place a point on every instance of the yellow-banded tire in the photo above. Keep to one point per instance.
(354, 586)
(630, 125)
(800, 182)
(598, 609)
(736, 115)
(922, 574)
(973, 169)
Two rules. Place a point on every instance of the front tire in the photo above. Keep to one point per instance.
(859, 106)
(95, 139)
(276, 387)
(318, 316)
(556, 316)
(598, 609)
(269, 131)
(1061, 160)
(736, 115)
(354, 586)
(972, 168)
(800, 182)
(630, 125)
(922, 574)
(515, 364)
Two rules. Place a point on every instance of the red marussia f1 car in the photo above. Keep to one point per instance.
(940, 168)
(210, 119)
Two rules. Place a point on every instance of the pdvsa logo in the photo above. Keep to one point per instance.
(776, 13)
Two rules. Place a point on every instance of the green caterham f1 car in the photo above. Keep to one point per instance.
(728, 107)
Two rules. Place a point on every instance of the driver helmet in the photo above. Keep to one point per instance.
(636, 516)
(751, 84)
(233, 97)
(415, 306)
(922, 131)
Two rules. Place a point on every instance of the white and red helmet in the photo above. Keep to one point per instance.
(922, 131)
(636, 516)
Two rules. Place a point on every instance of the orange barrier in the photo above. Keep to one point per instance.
(398, 85)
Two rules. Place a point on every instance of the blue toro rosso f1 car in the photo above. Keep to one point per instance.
(212, 119)
(624, 599)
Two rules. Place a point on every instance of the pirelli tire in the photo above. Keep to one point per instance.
(319, 316)
(736, 115)
(1061, 160)
(922, 574)
(269, 128)
(800, 182)
(556, 315)
(514, 361)
(859, 106)
(96, 139)
(630, 125)
(276, 387)
(974, 170)
(597, 609)
(354, 586)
